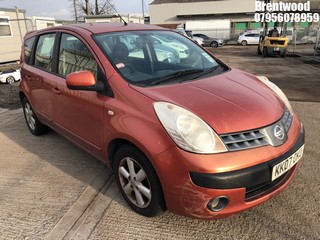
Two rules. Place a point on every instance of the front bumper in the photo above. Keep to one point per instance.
(190, 181)
(256, 179)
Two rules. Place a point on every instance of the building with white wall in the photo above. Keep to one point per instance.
(219, 18)
(111, 18)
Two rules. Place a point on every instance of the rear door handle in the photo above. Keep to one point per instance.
(29, 78)
(56, 91)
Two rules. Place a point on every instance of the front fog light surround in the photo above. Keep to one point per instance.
(187, 130)
(218, 204)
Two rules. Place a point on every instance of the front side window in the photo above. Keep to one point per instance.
(44, 51)
(27, 49)
(75, 56)
(147, 58)
(5, 28)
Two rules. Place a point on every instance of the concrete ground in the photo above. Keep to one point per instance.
(50, 189)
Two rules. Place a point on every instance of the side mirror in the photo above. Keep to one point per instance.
(83, 80)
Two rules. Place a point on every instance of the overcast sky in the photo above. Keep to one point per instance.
(62, 9)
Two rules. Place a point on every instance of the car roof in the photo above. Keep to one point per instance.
(96, 28)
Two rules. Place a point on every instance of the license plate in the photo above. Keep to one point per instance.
(276, 49)
(286, 164)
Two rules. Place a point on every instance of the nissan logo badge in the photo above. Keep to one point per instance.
(278, 132)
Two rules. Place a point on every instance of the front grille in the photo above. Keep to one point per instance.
(254, 138)
(244, 140)
(286, 119)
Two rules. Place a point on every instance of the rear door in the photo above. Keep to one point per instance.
(39, 77)
(256, 38)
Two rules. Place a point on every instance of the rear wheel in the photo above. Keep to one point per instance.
(138, 181)
(214, 44)
(244, 43)
(10, 79)
(34, 125)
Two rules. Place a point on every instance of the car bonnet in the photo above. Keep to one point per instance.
(231, 102)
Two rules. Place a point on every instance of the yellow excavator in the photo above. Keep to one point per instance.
(273, 42)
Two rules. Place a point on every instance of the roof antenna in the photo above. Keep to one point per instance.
(114, 9)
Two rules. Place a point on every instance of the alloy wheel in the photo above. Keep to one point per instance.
(30, 116)
(10, 80)
(134, 182)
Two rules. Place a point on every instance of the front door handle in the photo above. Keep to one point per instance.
(56, 91)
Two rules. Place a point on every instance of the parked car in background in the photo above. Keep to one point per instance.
(209, 41)
(181, 48)
(189, 34)
(10, 76)
(248, 38)
(310, 38)
(198, 40)
(194, 136)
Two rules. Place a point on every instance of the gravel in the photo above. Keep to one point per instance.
(9, 96)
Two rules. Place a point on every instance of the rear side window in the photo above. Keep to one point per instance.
(44, 51)
(27, 49)
(75, 56)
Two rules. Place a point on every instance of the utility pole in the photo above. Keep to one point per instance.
(17, 14)
(142, 1)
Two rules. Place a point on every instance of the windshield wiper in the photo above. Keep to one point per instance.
(176, 74)
(206, 71)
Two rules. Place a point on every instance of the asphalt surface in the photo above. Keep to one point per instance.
(50, 189)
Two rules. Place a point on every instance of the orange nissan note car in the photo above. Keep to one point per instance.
(180, 129)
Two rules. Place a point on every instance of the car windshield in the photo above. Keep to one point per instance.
(148, 58)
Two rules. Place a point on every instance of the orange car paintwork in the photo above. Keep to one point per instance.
(93, 121)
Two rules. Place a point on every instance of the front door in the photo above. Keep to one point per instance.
(77, 114)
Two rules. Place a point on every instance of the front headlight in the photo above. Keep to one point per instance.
(187, 130)
(277, 90)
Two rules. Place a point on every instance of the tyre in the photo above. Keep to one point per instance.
(214, 44)
(244, 43)
(34, 125)
(284, 54)
(10, 79)
(265, 52)
(138, 181)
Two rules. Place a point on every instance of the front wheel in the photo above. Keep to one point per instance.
(265, 52)
(33, 123)
(244, 43)
(138, 181)
(214, 44)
